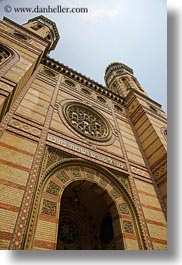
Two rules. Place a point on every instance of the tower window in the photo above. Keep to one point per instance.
(126, 83)
(37, 26)
(4, 55)
(153, 108)
(48, 37)
(120, 72)
(114, 88)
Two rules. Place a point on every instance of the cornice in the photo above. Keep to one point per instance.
(82, 79)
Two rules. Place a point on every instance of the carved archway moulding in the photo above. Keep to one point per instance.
(45, 212)
(13, 59)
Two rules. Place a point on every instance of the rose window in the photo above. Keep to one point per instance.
(87, 122)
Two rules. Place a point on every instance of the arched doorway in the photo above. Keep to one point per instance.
(75, 195)
(85, 220)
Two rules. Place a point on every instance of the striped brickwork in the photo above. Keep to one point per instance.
(16, 156)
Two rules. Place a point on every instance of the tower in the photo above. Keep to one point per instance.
(147, 118)
(82, 164)
(22, 48)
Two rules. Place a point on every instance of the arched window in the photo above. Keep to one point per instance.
(48, 72)
(4, 54)
(20, 36)
(126, 83)
(85, 91)
(101, 99)
(118, 108)
(164, 132)
(69, 83)
(114, 88)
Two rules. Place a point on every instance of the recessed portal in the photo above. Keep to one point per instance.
(85, 220)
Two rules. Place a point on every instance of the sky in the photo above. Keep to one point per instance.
(133, 32)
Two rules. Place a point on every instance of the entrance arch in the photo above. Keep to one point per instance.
(99, 194)
(85, 220)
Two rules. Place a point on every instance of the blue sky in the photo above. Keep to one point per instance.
(130, 31)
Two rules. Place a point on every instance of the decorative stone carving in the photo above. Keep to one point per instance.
(49, 207)
(62, 176)
(53, 188)
(103, 181)
(115, 193)
(55, 156)
(76, 172)
(123, 208)
(87, 121)
(161, 171)
(128, 227)
(90, 173)
(140, 172)
(25, 127)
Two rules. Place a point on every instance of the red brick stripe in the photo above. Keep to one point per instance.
(45, 244)
(147, 193)
(37, 97)
(152, 207)
(49, 218)
(125, 216)
(129, 236)
(37, 104)
(9, 207)
(5, 235)
(37, 112)
(11, 164)
(156, 223)
(12, 184)
(161, 241)
(16, 149)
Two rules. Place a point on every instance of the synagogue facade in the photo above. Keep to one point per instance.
(83, 166)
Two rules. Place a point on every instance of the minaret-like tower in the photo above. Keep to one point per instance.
(147, 118)
(119, 78)
(21, 49)
(44, 28)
